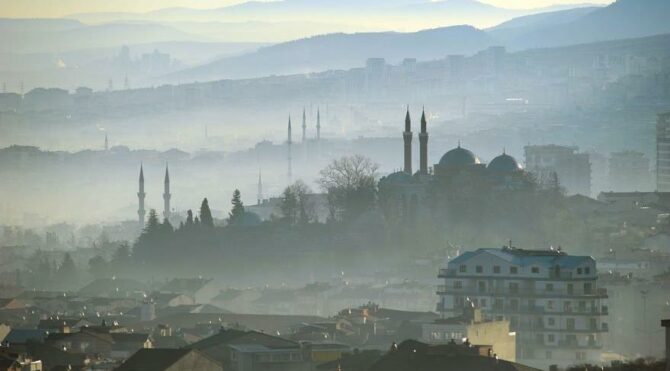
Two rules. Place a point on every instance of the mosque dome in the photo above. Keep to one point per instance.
(397, 177)
(459, 157)
(504, 164)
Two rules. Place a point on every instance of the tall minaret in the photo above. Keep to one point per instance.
(423, 145)
(289, 143)
(260, 189)
(166, 195)
(140, 196)
(407, 137)
(318, 124)
(304, 125)
(106, 143)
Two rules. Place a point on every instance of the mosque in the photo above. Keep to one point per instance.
(459, 174)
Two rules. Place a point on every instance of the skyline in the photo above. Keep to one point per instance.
(65, 8)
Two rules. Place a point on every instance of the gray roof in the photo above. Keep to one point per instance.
(548, 258)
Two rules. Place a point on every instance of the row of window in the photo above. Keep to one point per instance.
(513, 287)
(463, 268)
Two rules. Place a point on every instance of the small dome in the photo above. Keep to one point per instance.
(397, 177)
(504, 164)
(459, 157)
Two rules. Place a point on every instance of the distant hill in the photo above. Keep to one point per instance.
(341, 51)
(47, 35)
(621, 20)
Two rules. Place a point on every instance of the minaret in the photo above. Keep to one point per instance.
(289, 142)
(106, 143)
(318, 124)
(423, 145)
(260, 189)
(304, 125)
(166, 195)
(140, 196)
(407, 137)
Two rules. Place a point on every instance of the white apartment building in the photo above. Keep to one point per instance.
(551, 299)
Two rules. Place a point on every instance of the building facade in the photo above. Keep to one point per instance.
(663, 153)
(572, 168)
(551, 300)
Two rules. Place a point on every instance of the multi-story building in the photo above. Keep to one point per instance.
(551, 300)
(572, 168)
(663, 153)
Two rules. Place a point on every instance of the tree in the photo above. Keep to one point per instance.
(206, 214)
(189, 218)
(236, 215)
(289, 206)
(67, 271)
(152, 223)
(294, 205)
(351, 186)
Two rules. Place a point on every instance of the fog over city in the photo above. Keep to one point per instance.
(334, 185)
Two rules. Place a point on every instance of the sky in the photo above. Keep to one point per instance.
(59, 8)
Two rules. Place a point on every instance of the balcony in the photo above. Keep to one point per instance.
(445, 272)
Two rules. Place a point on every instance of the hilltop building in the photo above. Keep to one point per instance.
(573, 169)
(663, 153)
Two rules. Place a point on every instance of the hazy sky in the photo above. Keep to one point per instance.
(56, 8)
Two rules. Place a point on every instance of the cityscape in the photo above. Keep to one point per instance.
(321, 185)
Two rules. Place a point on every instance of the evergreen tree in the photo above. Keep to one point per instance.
(189, 218)
(237, 212)
(67, 271)
(166, 227)
(152, 223)
(206, 214)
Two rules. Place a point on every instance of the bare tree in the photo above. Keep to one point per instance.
(351, 184)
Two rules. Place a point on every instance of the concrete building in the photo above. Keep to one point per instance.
(663, 153)
(572, 168)
(551, 299)
(472, 327)
(629, 171)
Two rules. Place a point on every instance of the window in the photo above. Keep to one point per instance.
(550, 304)
(498, 304)
(479, 269)
(549, 287)
(458, 285)
(513, 287)
(551, 321)
(587, 288)
(514, 304)
(482, 302)
(535, 270)
(463, 268)
(579, 270)
(496, 269)
(587, 270)
(513, 270)
(567, 306)
(581, 356)
(551, 338)
(481, 286)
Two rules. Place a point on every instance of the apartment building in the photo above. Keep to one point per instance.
(551, 299)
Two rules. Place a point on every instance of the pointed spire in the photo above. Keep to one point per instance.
(423, 120)
(141, 172)
(167, 173)
(260, 188)
(289, 129)
(408, 121)
(106, 143)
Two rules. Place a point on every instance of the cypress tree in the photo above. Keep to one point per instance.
(237, 212)
(206, 214)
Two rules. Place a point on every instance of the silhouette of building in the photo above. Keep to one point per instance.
(663, 153)
(289, 143)
(572, 168)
